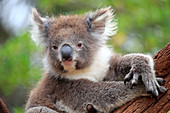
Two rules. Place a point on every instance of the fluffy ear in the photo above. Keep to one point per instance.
(101, 22)
(39, 31)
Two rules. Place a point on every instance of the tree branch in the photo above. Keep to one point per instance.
(3, 108)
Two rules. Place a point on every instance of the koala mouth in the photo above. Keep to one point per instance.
(69, 66)
(68, 63)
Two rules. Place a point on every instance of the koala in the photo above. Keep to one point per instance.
(81, 70)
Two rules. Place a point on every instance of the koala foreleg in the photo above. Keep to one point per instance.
(132, 67)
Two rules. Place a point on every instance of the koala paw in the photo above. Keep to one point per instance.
(40, 109)
(152, 83)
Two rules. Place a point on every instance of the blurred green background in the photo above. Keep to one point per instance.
(144, 26)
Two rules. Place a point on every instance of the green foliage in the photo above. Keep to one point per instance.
(143, 24)
(67, 6)
(15, 66)
(18, 110)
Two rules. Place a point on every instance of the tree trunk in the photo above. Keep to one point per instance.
(3, 108)
(147, 104)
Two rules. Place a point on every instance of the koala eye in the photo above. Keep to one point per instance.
(79, 45)
(54, 47)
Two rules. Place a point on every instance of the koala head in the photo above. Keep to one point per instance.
(72, 42)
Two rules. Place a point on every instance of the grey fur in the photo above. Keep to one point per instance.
(76, 94)
(61, 91)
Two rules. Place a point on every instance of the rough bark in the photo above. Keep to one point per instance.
(148, 104)
(3, 108)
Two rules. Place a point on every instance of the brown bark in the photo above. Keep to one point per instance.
(3, 108)
(148, 104)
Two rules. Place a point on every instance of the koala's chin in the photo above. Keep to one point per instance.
(69, 66)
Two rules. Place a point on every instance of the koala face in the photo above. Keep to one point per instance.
(70, 46)
(72, 42)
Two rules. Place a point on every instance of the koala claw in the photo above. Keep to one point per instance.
(133, 77)
(128, 77)
(160, 80)
(152, 83)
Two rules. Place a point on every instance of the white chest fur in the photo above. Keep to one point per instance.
(98, 69)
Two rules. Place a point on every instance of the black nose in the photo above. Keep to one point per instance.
(66, 53)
